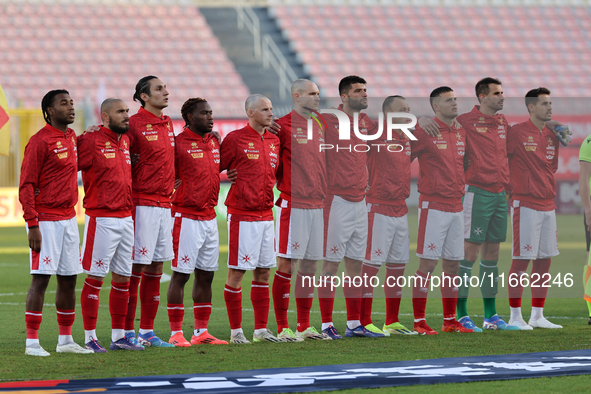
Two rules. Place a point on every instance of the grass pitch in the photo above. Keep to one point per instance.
(564, 306)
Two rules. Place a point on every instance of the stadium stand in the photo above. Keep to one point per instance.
(411, 50)
(94, 48)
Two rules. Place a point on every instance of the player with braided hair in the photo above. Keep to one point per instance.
(48, 192)
(195, 232)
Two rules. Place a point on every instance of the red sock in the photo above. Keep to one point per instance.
(233, 298)
(150, 299)
(538, 294)
(367, 272)
(134, 282)
(518, 267)
(118, 303)
(259, 295)
(393, 293)
(352, 298)
(176, 313)
(89, 301)
(304, 292)
(326, 299)
(449, 296)
(419, 294)
(201, 312)
(65, 320)
(281, 288)
(33, 321)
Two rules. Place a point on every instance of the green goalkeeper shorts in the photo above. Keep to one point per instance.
(485, 215)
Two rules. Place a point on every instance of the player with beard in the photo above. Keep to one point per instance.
(108, 229)
(300, 222)
(345, 211)
(195, 232)
(151, 139)
(48, 192)
(532, 149)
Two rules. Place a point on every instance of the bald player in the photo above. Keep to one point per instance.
(108, 227)
(254, 153)
(300, 222)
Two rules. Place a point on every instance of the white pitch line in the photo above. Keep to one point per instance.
(313, 311)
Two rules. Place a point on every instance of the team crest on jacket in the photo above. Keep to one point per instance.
(530, 145)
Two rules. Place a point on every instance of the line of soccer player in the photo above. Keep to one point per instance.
(150, 198)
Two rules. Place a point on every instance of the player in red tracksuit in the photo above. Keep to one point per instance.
(151, 138)
(441, 223)
(254, 153)
(300, 222)
(387, 239)
(105, 163)
(195, 232)
(533, 159)
(345, 211)
(48, 192)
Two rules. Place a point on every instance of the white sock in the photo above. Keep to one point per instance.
(129, 331)
(326, 325)
(173, 333)
(144, 332)
(117, 334)
(89, 335)
(260, 331)
(516, 314)
(199, 331)
(536, 313)
(351, 324)
(32, 342)
(63, 339)
(236, 332)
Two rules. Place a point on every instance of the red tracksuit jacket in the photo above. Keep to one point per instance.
(487, 138)
(256, 157)
(389, 175)
(347, 170)
(302, 178)
(49, 164)
(533, 160)
(197, 165)
(441, 167)
(153, 175)
(106, 173)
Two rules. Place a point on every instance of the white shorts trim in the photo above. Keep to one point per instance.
(299, 233)
(153, 235)
(441, 234)
(250, 244)
(347, 230)
(534, 233)
(60, 249)
(195, 244)
(107, 246)
(388, 241)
